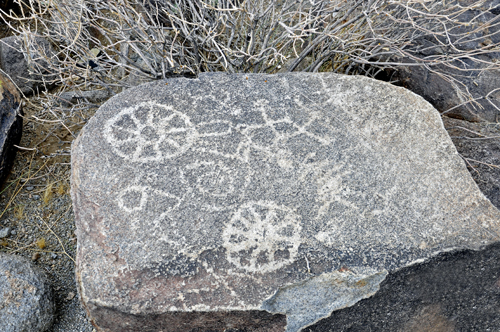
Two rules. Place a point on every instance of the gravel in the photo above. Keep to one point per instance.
(35, 208)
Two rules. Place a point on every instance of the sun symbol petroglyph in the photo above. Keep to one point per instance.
(262, 236)
(150, 132)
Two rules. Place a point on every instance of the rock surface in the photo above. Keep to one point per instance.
(453, 292)
(479, 145)
(14, 64)
(26, 303)
(232, 201)
(91, 96)
(440, 92)
(11, 124)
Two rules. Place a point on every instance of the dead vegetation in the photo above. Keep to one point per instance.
(113, 45)
(116, 44)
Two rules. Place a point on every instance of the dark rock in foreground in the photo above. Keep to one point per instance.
(11, 124)
(230, 201)
(26, 302)
(453, 292)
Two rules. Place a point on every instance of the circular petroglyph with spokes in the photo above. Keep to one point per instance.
(150, 132)
(262, 236)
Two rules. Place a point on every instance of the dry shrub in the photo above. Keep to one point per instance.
(115, 44)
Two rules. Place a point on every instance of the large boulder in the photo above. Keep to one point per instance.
(26, 300)
(11, 124)
(234, 201)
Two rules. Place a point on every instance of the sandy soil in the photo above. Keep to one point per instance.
(35, 203)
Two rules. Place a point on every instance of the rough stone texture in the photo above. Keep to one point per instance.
(25, 296)
(14, 64)
(11, 124)
(454, 292)
(439, 92)
(479, 143)
(201, 201)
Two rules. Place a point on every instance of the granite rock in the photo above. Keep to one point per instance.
(11, 124)
(234, 201)
(4, 232)
(26, 301)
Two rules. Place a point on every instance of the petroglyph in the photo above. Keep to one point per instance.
(133, 198)
(149, 132)
(262, 236)
(214, 193)
(212, 178)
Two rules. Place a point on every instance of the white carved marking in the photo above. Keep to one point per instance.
(213, 178)
(262, 237)
(133, 198)
(150, 131)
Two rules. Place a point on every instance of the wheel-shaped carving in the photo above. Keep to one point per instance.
(150, 131)
(262, 236)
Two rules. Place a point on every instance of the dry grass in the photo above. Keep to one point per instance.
(35, 203)
(116, 43)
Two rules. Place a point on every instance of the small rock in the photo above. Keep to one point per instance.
(30, 188)
(13, 232)
(4, 232)
(92, 96)
(36, 197)
(54, 256)
(70, 296)
(26, 299)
